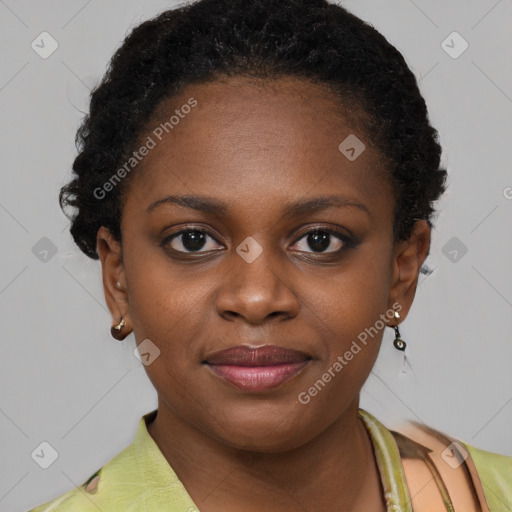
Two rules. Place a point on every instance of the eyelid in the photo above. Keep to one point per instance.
(348, 240)
(186, 229)
(328, 228)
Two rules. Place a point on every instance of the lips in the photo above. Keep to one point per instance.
(257, 369)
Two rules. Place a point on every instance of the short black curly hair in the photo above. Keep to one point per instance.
(199, 41)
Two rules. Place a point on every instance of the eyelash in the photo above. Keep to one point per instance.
(348, 242)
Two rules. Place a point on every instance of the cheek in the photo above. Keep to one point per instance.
(350, 309)
(353, 298)
(168, 305)
(168, 308)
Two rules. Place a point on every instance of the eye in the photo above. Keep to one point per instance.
(320, 239)
(190, 241)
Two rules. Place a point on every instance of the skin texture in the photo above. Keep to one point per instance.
(259, 146)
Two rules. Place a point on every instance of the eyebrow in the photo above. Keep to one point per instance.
(216, 207)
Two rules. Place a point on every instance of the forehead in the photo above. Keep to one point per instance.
(247, 136)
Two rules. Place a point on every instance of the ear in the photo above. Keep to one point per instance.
(112, 266)
(408, 259)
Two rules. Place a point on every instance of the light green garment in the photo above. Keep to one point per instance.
(495, 472)
(139, 479)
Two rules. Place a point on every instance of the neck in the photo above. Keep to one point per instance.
(334, 471)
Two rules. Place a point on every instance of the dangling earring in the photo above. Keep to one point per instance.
(115, 331)
(398, 342)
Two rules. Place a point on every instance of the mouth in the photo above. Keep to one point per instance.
(257, 369)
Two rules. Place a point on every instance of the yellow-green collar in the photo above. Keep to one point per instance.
(139, 478)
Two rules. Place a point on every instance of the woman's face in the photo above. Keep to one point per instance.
(234, 260)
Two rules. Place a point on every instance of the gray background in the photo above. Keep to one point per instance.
(64, 380)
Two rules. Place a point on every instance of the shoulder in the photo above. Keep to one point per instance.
(469, 473)
(137, 478)
(495, 473)
(112, 487)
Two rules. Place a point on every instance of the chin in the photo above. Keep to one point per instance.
(265, 431)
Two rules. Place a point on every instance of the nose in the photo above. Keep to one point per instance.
(256, 292)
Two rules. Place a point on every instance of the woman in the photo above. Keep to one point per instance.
(257, 180)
